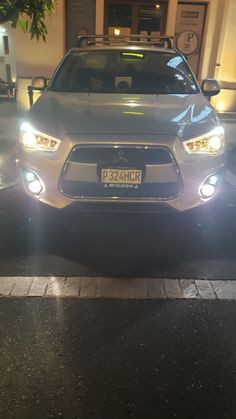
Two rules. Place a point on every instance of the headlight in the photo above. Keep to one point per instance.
(35, 140)
(211, 143)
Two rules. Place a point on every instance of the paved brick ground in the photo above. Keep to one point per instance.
(117, 288)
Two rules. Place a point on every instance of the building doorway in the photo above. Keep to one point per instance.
(135, 17)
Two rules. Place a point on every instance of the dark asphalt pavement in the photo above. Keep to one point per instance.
(102, 244)
(117, 359)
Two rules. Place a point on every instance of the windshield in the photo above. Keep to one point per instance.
(116, 71)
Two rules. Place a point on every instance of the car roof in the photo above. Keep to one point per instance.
(129, 47)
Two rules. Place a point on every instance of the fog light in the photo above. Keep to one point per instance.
(35, 187)
(30, 176)
(34, 183)
(209, 186)
(207, 190)
(212, 180)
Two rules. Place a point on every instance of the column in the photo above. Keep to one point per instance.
(218, 39)
(171, 17)
(99, 26)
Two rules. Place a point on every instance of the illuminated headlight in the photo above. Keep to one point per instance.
(211, 143)
(35, 140)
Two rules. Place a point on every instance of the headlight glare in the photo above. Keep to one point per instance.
(32, 139)
(211, 143)
(29, 140)
(215, 143)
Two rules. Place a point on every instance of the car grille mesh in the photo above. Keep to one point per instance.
(131, 155)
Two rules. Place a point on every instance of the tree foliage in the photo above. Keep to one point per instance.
(29, 15)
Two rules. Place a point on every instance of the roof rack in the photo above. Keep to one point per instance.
(147, 40)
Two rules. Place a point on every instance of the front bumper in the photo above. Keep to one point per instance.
(189, 171)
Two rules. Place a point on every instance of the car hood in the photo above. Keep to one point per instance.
(61, 114)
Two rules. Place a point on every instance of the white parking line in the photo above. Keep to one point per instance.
(117, 288)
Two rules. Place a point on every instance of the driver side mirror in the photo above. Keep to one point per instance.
(39, 83)
(210, 87)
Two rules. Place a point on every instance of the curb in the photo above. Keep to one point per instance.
(117, 288)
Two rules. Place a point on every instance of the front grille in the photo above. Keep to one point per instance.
(133, 155)
(125, 157)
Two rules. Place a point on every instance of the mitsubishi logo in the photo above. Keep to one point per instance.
(120, 157)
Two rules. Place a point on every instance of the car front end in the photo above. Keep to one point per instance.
(122, 146)
(125, 168)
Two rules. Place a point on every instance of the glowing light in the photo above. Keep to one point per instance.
(215, 143)
(116, 31)
(25, 127)
(131, 98)
(29, 139)
(133, 104)
(207, 190)
(158, 6)
(35, 140)
(2, 29)
(30, 176)
(133, 113)
(132, 54)
(220, 106)
(210, 143)
(35, 187)
(213, 180)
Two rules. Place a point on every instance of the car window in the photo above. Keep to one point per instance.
(116, 71)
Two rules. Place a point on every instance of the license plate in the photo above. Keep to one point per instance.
(122, 176)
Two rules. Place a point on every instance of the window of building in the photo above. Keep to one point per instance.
(6, 45)
(119, 15)
(8, 73)
(136, 16)
(149, 18)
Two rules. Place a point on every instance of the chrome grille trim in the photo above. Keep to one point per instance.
(63, 187)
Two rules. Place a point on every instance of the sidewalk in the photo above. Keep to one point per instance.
(9, 126)
(8, 121)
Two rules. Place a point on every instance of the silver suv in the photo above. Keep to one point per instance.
(122, 123)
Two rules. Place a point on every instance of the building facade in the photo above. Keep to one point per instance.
(7, 55)
(203, 30)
